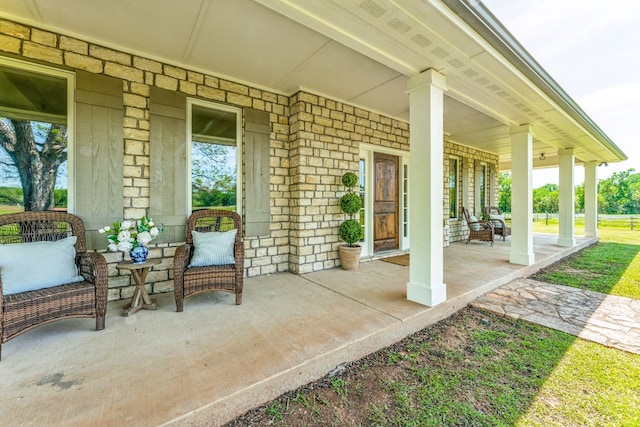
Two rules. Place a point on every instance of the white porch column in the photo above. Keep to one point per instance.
(426, 103)
(521, 196)
(590, 199)
(566, 235)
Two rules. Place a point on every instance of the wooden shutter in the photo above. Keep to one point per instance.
(257, 134)
(168, 163)
(99, 149)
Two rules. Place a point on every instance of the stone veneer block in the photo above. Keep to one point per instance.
(110, 55)
(14, 30)
(123, 72)
(43, 53)
(10, 44)
(44, 37)
(83, 62)
(74, 45)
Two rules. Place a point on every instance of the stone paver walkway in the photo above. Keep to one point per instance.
(606, 319)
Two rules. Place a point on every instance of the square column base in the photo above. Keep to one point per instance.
(425, 294)
(566, 242)
(522, 258)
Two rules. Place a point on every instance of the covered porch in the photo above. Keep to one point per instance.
(216, 360)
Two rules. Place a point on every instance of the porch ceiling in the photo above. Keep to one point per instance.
(358, 51)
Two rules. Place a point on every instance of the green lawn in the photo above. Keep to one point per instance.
(612, 266)
(5, 209)
(591, 385)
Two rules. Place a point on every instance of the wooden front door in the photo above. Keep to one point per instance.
(385, 202)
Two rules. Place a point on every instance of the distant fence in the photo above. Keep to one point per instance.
(618, 221)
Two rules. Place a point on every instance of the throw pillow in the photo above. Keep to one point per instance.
(37, 265)
(474, 224)
(495, 219)
(213, 248)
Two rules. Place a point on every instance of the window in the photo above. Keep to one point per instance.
(483, 188)
(35, 102)
(453, 187)
(214, 155)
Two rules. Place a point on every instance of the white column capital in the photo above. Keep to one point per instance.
(565, 151)
(426, 79)
(593, 164)
(526, 128)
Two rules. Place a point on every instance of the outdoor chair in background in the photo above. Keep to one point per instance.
(212, 259)
(46, 273)
(478, 230)
(500, 227)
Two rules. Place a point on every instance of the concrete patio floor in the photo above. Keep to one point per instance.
(216, 360)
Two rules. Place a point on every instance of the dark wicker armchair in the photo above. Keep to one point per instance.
(227, 276)
(20, 312)
(500, 227)
(478, 230)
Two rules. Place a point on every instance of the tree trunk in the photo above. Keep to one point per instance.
(37, 161)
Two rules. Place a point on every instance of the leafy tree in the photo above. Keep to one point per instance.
(60, 197)
(11, 196)
(213, 175)
(504, 195)
(546, 199)
(620, 194)
(579, 198)
(36, 150)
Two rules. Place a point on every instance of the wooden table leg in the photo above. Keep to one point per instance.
(140, 298)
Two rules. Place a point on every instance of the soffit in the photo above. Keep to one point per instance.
(356, 51)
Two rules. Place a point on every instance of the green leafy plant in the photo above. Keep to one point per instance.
(350, 231)
(351, 203)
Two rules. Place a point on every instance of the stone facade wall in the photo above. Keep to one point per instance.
(314, 140)
(325, 138)
(457, 228)
(264, 255)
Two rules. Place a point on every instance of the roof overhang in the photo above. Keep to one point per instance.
(357, 51)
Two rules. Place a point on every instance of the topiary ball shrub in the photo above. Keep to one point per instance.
(349, 179)
(351, 203)
(350, 231)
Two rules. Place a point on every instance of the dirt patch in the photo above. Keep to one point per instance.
(393, 386)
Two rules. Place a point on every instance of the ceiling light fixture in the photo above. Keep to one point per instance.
(542, 157)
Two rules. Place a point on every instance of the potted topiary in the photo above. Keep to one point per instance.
(350, 231)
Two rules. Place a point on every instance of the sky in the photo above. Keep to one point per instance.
(592, 49)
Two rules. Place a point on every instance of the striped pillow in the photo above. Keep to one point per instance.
(474, 224)
(496, 220)
(213, 248)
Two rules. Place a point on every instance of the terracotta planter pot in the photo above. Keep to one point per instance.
(350, 257)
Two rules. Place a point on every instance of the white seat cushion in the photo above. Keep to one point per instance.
(473, 223)
(495, 219)
(213, 248)
(37, 265)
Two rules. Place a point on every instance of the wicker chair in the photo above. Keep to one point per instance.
(190, 281)
(478, 230)
(500, 227)
(23, 311)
